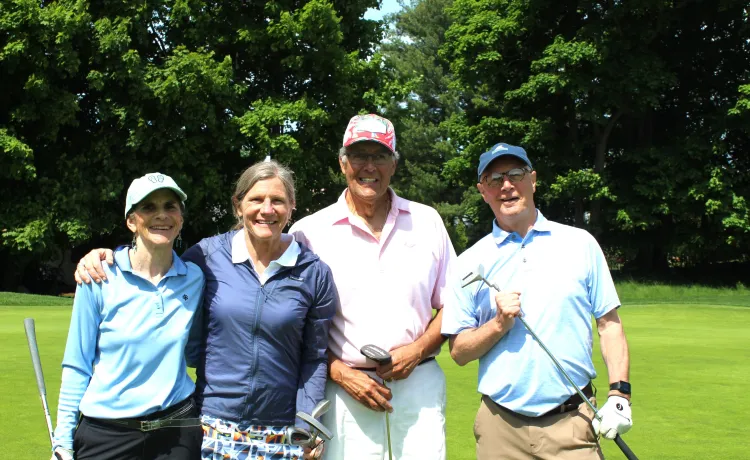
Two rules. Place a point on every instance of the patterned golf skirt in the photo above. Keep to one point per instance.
(224, 440)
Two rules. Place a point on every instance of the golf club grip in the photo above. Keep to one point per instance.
(624, 448)
(28, 325)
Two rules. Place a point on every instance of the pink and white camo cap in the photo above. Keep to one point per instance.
(370, 127)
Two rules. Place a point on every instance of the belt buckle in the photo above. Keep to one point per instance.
(150, 425)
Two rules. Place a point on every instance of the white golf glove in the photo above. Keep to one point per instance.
(616, 418)
(62, 454)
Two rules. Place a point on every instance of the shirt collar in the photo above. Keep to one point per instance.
(240, 253)
(541, 224)
(123, 262)
(342, 211)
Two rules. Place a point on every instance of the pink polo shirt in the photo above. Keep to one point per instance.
(387, 288)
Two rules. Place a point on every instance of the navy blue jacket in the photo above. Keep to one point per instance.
(263, 348)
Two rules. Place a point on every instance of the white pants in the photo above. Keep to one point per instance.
(417, 421)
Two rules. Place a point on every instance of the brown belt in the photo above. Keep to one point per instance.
(426, 360)
(568, 405)
(572, 403)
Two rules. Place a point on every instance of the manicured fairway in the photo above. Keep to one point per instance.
(689, 372)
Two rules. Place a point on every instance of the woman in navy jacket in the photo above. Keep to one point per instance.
(268, 305)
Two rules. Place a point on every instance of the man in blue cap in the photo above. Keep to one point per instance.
(557, 278)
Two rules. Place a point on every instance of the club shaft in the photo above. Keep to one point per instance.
(618, 439)
(388, 430)
(48, 419)
(624, 448)
(560, 368)
(30, 329)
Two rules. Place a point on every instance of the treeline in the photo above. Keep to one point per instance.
(636, 114)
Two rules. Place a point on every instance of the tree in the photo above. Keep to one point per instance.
(421, 99)
(99, 93)
(623, 105)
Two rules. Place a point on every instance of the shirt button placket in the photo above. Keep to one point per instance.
(158, 304)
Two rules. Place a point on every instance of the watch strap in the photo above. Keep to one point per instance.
(621, 386)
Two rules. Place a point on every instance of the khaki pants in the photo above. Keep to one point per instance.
(506, 435)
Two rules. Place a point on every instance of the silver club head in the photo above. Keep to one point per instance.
(473, 276)
(316, 427)
(299, 437)
(320, 408)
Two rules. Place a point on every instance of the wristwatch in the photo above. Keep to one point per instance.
(621, 386)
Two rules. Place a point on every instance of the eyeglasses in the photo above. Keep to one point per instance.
(496, 179)
(361, 159)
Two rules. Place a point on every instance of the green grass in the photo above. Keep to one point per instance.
(23, 300)
(688, 367)
(632, 293)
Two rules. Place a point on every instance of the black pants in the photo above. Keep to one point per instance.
(98, 440)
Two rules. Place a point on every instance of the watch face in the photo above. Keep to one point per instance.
(622, 387)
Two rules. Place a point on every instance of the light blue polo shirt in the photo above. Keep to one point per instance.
(125, 355)
(564, 280)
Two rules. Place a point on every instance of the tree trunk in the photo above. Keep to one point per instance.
(576, 149)
(602, 136)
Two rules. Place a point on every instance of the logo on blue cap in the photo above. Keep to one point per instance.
(499, 150)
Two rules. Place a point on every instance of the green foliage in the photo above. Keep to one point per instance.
(420, 97)
(582, 183)
(17, 157)
(630, 100)
(743, 104)
(98, 93)
(636, 114)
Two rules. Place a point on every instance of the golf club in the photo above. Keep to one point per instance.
(316, 428)
(478, 275)
(28, 325)
(299, 437)
(320, 408)
(380, 356)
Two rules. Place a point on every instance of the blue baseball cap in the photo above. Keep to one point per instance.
(500, 150)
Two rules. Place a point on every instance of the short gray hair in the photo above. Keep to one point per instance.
(343, 152)
(262, 171)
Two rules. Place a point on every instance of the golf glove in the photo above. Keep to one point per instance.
(616, 418)
(62, 454)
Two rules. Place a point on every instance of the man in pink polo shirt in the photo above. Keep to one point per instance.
(390, 259)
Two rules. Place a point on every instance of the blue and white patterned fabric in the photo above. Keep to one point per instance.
(224, 440)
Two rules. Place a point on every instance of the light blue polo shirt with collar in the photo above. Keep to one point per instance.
(125, 354)
(240, 255)
(564, 280)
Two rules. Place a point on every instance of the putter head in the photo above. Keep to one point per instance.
(299, 436)
(317, 427)
(320, 408)
(376, 354)
(473, 276)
